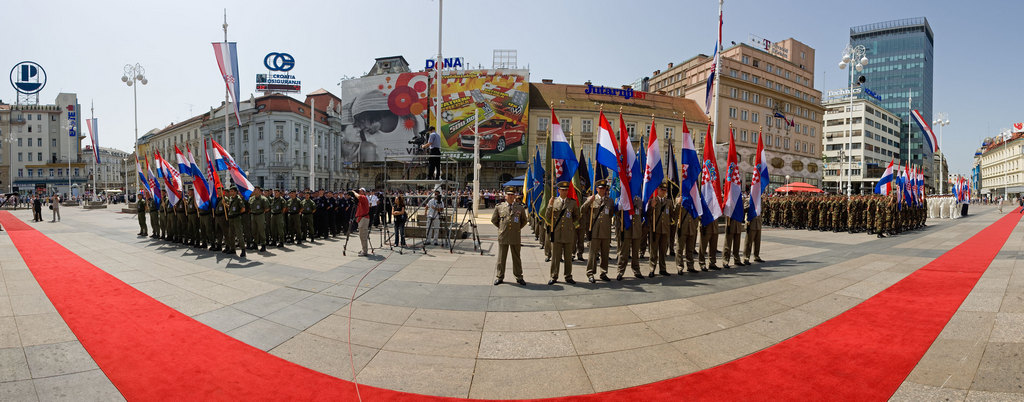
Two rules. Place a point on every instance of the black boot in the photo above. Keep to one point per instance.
(263, 249)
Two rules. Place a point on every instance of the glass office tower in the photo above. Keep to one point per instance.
(900, 67)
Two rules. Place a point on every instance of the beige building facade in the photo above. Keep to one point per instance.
(1002, 167)
(756, 87)
(858, 144)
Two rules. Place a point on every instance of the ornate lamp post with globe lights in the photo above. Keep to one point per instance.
(941, 121)
(133, 74)
(852, 54)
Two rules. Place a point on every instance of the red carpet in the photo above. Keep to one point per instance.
(152, 352)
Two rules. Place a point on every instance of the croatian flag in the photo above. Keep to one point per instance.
(653, 172)
(711, 188)
(607, 150)
(709, 88)
(884, 186)
(142, 177)
(627, 158)
(562, 157)
(200, 187)
(929, 135)
(672, 173)
(920, 186)
(759, 181)
(690, 172)
(734, 185)
(154, 185)
(172, 179)
(212, 176)
(227, 60)
(94, 130)
(183, 165)
(223, 158)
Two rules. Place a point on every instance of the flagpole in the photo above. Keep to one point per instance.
(96, 152)
(718, 74)
(227, 101)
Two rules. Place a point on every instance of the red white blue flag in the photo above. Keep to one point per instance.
(94, 131)
(759, 181)
(223, 158)
(929, 135)
(884, 186)
(653, 172)
(733, 184)
(227, 60)
(710, 186)
(709, 88)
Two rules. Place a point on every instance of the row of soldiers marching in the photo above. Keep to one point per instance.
(639, 206)
(226, 218)
(872, 214)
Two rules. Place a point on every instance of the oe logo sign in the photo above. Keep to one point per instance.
(279, 62)
(28, 77)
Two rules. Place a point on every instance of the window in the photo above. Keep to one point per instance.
(542, 124)
(76, 172)
(768, 120)
(757, 62)
(743, 135)
(757, 79)
(53, 142)
(245, 135)
(60, 172)
(746, 77)
(39, 172)
(278, 156)
(743, 115)
(39, 142)
(733, 92)
(797, 126)
(768, 139)
(754, 116)
(30, 117)
(19, 142)
(776, 141)
(669, 131)
(566, 123)
(40, 157)
(732, 113)
(787, 74)
(746, 96)
(757, 99)
(245, 160)
(29, 157)
(771, 68)
(746, 59)
(260, 156)
(733, 73)
(19, 156)
(20, 173)
(279, 130)
(29, 172)
(786, 143)
(305, 134)
(259, 132)
(631, 129)
(51, 172)
(587, 125)
(297, 133)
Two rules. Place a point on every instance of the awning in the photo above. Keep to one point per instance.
(515, 182)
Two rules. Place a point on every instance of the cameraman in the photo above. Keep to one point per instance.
(434, 160)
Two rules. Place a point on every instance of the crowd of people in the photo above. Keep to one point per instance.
(876, 214)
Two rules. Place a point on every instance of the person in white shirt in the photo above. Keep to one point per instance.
(374, 209)
(434, 208)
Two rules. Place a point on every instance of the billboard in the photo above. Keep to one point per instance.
(382, 115)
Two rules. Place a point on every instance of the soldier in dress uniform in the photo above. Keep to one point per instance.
(753, 237)
(733, 229)
(308, 209)
(154, 216)
(630, 241)
(509, 217)
(246, 220)
(140, 208)
(659, 220)
(236, 238)
(277, 210)
(180, 221)
(294, 207)
(709, 245)
(563, 213)
(220, 218)
(601, 210)
(194, 232)
(258, 206)
(687, 236)
(206, 226)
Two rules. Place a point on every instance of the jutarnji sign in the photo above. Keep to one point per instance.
(625, 93)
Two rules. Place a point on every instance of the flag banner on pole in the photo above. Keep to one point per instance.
(627, 158)
(759, 180)
(653, 172)
(884, 185)
(212, 176)
(672, 173)
(200, 187)
(154, 185)
(172, 179)
(636, 177)
(688, 175)
(537, 183)
(582, 178)
(223, 158)
(183, 165)
(227, 61)
(562, 156)
(94, 132)
(929, 135)
(711, 188)
(607, 150)
(142, 178)
(709, 88)
(733, 183)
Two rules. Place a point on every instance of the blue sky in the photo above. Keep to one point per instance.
(85, 45)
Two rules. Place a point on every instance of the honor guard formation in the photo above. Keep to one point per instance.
(878, 215)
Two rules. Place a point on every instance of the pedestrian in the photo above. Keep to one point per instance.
(509, 217)
(398, 210)
(362, 218)
(37, 209)
(434, 209)
(433, 145)
(55, 206)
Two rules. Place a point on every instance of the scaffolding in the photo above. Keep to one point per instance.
(450, 228)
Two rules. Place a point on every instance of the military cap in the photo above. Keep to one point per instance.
(563, 185)
(601, 184)
(664, 185)
(510, 190)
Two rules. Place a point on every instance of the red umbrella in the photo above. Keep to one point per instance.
(798, 187)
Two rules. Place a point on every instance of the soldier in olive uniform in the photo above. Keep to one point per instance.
(630, 241)
(294, 208)
(308, 209)
(220, 217)
(659, 221)
(686, 237)
(509, 217)
(194, 231)
(236, 238)
(601, 210)
(733, 230)
(709, 245)
(167, 219)
(154, 215)
(206, 225)
(140, 208)
(277, 209)
(258, 205)
(564, 214)
(753, 236)
(180, 221)
(246, 221)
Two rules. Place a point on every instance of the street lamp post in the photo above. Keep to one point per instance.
(133, 74)
(125, 179)
(852, 54)
(941, 121)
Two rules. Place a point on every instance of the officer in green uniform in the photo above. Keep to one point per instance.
(194, 231)
(179, 221)
(687, 236)
(220, 217)
(294, 219)
(630, 241)
(258, 205)
(140, 209)
(166, 217)
(236, 238)
(206, 225)
(277, 210)
(246, 220)
(154, 215)
(308, 209)
(563, 213)
(659, 222)
(509, 217)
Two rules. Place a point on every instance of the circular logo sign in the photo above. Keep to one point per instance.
(28, 77)
(279, 62)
